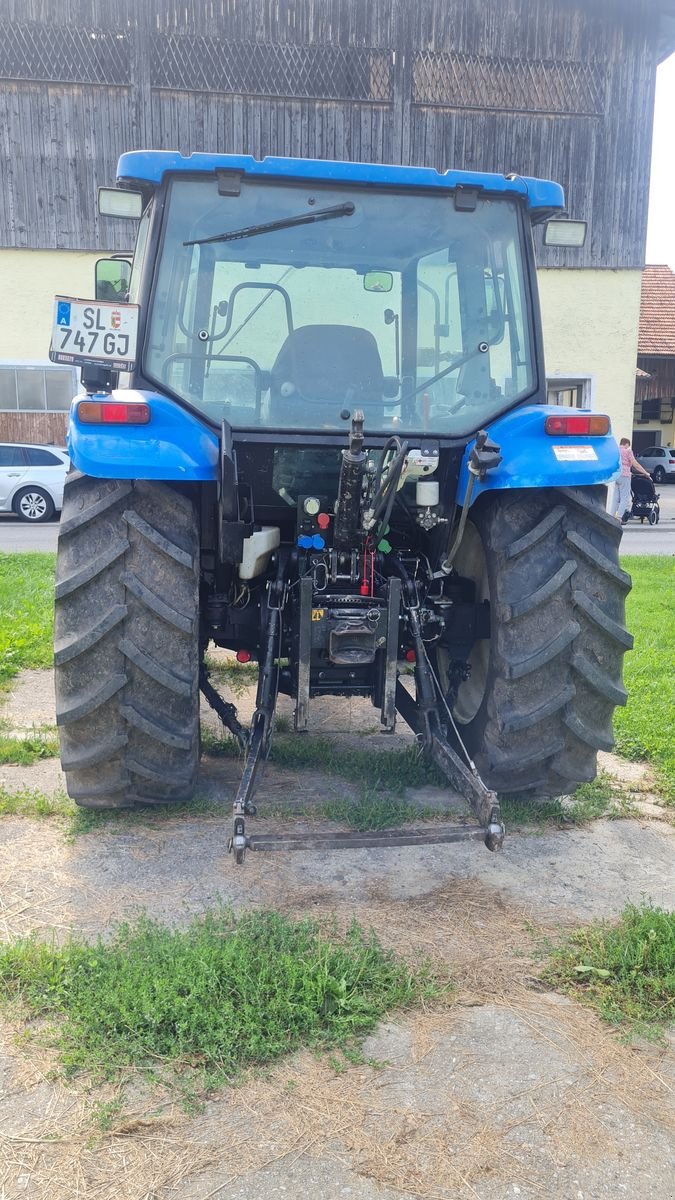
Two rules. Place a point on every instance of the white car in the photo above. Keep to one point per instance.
(31, 480)
(659, 461)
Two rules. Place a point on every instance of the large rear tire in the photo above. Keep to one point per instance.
(539, 704)
(126, 647)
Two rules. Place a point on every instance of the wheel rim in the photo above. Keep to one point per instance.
(33, 506)
(659, 475)
(471, 562)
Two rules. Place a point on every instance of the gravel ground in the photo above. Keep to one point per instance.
(509, 1090)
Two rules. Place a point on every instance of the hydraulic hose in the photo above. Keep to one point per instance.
(384, 494)
(446, 565)
(390, 495)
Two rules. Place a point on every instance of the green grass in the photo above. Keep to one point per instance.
(625, 970)
(590, 802)
(88, 820)
(391, 769)
(373, 810)
(31, 802)
(26, 612)
(23, 751)
(217, 996)
(232, 674)
(645, 728)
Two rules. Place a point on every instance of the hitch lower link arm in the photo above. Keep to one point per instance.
(423, 716)
(262, 723)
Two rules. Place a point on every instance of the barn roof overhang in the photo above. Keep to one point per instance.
(665, 13)
(666, 43)
(661, 12)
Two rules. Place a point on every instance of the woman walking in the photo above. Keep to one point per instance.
(628, 463)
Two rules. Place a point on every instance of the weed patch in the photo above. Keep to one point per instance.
(23, 751)
(625, 970)
(219, 745)
(87, 820)
(26, 612)
(30, 802)
(215, 997)
(392, 770)
(590, 802)
(232, 674)
(374, 810)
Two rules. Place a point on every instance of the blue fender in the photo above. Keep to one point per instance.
(532, 458)
(175, 444)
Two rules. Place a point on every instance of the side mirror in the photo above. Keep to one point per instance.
(115, 202)
(112, 279)
(565, 233)
(378, 281)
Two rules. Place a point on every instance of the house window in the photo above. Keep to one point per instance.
(572, 393)
(651, 410)
(33, 387)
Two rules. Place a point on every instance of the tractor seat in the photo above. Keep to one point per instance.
(339, 363)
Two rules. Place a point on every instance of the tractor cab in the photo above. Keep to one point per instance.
(276, 299)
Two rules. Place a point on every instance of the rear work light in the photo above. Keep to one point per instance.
(110, 412)
(595, 425)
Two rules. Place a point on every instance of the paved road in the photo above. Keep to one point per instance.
(653, 539)
(17, 535)
(637, 539)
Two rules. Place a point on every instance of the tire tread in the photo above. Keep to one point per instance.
(557, 596)
(126, 659)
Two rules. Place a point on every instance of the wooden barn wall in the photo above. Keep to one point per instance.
(556, 88)
(36, 428)
(661, 382)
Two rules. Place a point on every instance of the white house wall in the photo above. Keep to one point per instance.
(590, 320)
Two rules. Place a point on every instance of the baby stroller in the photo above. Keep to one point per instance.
(645, 500)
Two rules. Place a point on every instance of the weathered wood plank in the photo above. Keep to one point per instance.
(34, 427)
(59, 141)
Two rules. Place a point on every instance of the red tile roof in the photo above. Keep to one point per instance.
(657, 311)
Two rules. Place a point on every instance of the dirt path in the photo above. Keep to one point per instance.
(507, 1091)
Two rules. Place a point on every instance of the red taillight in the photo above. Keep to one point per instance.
(243, 656)
(410, 656)
(112, 412)
(595, 425)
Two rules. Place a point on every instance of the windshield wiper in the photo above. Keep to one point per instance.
(321, 214)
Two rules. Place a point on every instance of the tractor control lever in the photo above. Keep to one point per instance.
(484, 455)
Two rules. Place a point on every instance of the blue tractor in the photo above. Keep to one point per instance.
(314, 431)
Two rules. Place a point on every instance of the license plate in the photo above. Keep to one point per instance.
(575, 454)
(94, 331)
